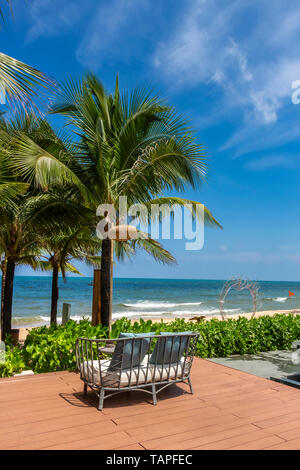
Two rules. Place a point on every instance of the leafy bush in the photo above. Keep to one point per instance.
(218, 338)
(14, 362)
(49, 349)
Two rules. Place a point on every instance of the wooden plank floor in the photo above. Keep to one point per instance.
(229, 410)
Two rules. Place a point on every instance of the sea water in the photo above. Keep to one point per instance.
(135, 298)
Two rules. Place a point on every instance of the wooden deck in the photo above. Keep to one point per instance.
(229, 410)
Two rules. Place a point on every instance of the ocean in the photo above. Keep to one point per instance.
(134, 298)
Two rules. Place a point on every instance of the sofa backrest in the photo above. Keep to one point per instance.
(144, 355)
(170, 347)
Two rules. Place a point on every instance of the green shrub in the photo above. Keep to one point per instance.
(218, 338)
(49, 349)
(14, 362)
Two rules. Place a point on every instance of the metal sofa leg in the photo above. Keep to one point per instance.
(154, 395)
(85, 389)
(101, 399)
(190, 384)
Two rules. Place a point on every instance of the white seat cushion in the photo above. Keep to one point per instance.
(135, 376)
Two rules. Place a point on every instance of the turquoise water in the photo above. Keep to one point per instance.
(145, 297)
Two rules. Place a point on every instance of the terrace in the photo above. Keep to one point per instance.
(230, 409)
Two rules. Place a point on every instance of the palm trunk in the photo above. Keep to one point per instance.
(8, 298)
(106, 282)
(54, 296)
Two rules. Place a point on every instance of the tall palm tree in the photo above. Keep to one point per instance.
(28, 211)
(9, 190)
(29, 257)
(131, 145)
(60, 247)
(19, 241)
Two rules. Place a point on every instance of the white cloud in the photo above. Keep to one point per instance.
(101, 29)
(234, 50)
(244, 52)
(272, 161)
(243, 257)
(293, 258)
(254, 137)
(289, 248)
(251, 257)
(250, 66)
(223, 248)
(52, 17)
(194, 51)
(110, 32)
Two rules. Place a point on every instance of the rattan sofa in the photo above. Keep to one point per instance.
(144, 362)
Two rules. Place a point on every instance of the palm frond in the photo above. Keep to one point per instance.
(43, 265)
(153, 248)
(20, 84)
(167, 203)
(36, 163)
(72, 269)
(94, 261)
(10, 190)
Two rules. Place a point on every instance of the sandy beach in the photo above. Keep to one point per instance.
(24, 331)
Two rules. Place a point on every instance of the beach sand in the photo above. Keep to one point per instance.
(24, 331)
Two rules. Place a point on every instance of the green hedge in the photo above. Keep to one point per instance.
(49, 349)
(14, 362)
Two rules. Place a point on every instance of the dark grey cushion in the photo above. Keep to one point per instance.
(122, 356)
(171, 349)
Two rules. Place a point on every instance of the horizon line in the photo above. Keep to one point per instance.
(159, 278)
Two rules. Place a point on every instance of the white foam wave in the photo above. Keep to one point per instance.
(145, 304)
(276, 299)
(206, 312)
(133, 313)
(73, 317)
(162, 314)
(39, 320)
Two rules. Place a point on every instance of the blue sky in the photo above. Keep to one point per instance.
(229, 66)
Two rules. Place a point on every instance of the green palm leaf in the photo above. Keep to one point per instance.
(166, 203)
(10, 190)
(21, 84)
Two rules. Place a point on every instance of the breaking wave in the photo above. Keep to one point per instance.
(146, 304)
(277, 299)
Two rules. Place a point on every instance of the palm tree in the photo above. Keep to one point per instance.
(19, 240)
(28, 211)
(9, 190)
(122, 145)
(21, 226)
(18, 245)
(62, 246)
(29, 257)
